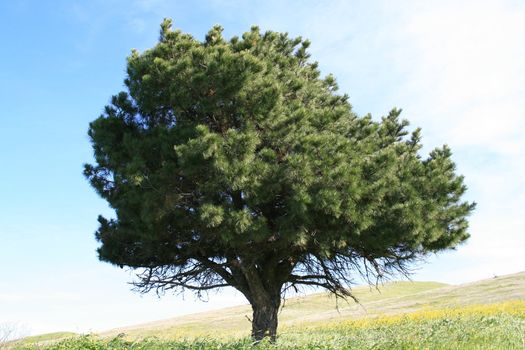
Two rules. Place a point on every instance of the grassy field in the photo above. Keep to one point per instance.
(233, 322)
(488, 314)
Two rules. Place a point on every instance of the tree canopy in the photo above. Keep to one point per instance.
(234, 163)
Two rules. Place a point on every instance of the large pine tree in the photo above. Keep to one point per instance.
(233, 163)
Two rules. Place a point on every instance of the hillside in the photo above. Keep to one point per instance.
(391, 298)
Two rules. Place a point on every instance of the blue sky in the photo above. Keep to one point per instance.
(457, 70)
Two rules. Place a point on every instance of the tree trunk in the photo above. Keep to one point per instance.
(264, 323)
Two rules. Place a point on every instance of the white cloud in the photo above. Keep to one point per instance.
(466, 72)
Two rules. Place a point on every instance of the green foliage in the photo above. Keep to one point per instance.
(232, 162)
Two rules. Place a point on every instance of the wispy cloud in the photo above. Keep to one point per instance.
(465, 71)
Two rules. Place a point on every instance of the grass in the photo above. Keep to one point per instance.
(400, 315)
(233, 322)
(494, 326)
(391, 298)
(40, 339)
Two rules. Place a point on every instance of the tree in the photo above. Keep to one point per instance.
(233, 163)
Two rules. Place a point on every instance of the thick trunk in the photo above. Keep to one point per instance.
(264, 323)
(262, 284)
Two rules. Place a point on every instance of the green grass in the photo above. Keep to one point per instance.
(496, 326)
(391, 298)
(233, 322)
(313, 321)
(41, 339)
